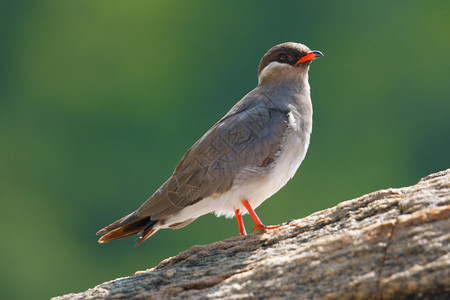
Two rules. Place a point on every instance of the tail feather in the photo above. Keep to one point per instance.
(127, 226)
(145, 234)
(123, 221)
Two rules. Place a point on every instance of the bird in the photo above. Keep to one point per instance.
(243, 159)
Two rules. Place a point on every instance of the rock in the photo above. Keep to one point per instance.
(390, 244)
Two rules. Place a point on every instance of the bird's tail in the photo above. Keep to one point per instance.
(127, 226)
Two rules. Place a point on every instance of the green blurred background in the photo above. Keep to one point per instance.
(100, 99)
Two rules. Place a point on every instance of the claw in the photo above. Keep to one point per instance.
(261, 227)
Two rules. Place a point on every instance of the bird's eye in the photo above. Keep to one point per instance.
(282, 57)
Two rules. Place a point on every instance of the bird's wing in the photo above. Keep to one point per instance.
(245, 139)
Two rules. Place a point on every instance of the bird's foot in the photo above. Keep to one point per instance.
(261, 227)
(258, 224)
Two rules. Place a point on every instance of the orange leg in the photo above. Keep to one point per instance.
(258, 224)
(240, 222)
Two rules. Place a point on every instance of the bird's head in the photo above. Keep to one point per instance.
(285, 62)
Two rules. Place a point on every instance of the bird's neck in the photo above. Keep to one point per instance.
(291, 95)
(292, 90)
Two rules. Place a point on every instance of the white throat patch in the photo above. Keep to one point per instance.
(270, 68)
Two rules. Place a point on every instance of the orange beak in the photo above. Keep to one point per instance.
(311, 55)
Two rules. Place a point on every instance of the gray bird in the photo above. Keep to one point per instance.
(245, 158)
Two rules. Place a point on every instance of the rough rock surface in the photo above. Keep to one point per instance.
(390, 244)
